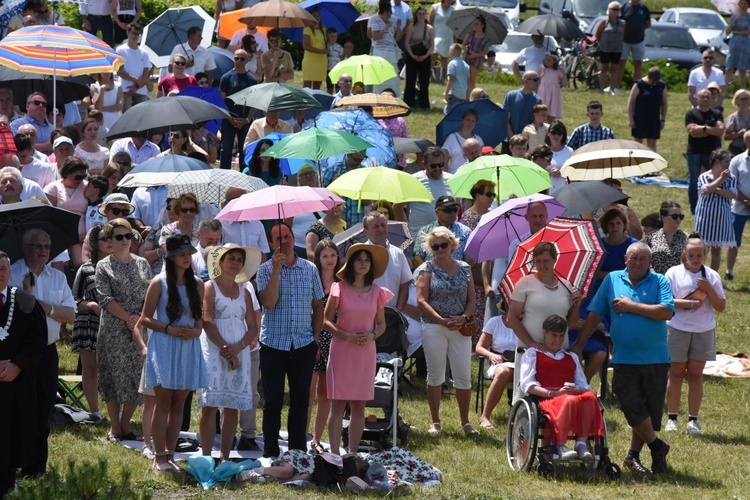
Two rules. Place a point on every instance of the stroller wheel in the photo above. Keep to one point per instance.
(403, 433)
(613, 471)
(545, 469)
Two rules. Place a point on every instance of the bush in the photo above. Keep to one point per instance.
(675, 78)
(81, 481)
(498, 77)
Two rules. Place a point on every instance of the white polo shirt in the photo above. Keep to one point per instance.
(396, 274)
(202, 60)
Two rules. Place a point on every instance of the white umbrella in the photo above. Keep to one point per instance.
(615, 158)
(210, 186)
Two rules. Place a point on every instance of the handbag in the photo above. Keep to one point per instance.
(420, 48)
(470, 328)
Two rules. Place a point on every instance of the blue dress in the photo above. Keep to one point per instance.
(171, 362)
(739, 46)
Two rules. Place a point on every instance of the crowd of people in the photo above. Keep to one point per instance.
(166, 300)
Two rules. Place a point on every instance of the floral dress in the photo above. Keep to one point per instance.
(402, 465)
(665, 254)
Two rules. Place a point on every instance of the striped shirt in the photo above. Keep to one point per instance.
(586, 133)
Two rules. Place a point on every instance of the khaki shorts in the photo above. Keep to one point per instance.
(689, 346)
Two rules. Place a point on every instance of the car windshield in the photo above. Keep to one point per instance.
(505, 4)
(701, 21)
(514, 43)
(590, 8)
(669, 38)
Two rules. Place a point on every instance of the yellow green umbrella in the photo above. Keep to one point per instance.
(370, 70)
(512, 176)
(380, 183)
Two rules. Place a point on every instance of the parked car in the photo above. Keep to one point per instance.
(706, 26)
(584, 11)
(514, 43)
(509, 9)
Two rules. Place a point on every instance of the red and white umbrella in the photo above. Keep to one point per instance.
(579, 254)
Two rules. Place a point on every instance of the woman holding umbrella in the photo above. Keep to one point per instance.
(315, 59)
(264, 167)
(419, 43)
(476, 46)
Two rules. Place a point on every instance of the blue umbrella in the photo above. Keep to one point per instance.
(491, 126)
(211, 95)
(358, 122)
(289, 166)
(160, 170)
(339, 14)
(9, 9)
(224, 61)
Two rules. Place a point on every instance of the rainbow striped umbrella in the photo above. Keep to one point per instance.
(57, 50)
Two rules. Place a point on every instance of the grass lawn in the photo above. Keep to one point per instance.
(712, 466)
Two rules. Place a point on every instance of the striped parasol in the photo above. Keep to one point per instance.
(57, 51)
(579, 254)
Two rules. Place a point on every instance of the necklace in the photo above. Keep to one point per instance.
(4, 330)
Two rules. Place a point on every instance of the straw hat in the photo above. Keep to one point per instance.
(118, 198)
(252, 261)
(379, 259)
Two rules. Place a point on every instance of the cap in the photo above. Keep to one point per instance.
(487, 150)
(445, 201)
(713, 86)
(62, 140)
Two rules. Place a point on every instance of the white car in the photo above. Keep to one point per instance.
(514, 43)
(707, 27)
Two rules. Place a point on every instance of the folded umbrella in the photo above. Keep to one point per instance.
(160, 171)
(17, 218)
(587, 196)
(274, 97)
(170, 29)
(211, 185)
(490, 126)
(398, 235)
(461, 21)
(512, 176)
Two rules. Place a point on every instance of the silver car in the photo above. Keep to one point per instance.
(514, 43)
(707, 27)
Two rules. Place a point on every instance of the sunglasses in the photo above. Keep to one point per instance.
(437, 247)
(39, 103)
(176, 135)
(435, 165)
(535, 79)
(708, 58)
(44, 11)
(449, 210)
(180, 63)
(676, 216)
(119, 211)
(169, 208)
(120, 237)
(489, 194)
(554, 132)
(240, 58)
(190, 210)
(79, 177)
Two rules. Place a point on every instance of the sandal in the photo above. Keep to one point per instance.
(316, 448)
(130, 436)
(434, 428)
(164, 467)
(113, 438)
(469, 430)
(175, 468)
(486, 424)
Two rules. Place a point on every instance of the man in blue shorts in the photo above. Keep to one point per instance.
(637, 19)
(638, 303)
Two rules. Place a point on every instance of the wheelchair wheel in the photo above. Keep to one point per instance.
(546, 470)
(521, 439)
(612, 470)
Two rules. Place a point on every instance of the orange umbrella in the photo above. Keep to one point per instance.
(278, 14)
(229, 23)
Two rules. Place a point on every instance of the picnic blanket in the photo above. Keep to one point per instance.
(735, 365)
(660, 180)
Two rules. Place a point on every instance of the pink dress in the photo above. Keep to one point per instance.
(74, 202)
(550, 92)
(351, 367)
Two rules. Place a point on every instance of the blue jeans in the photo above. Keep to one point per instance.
(453, 101)
(103, 23)
(228, 135)
(697, 164)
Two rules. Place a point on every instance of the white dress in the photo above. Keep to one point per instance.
(227, 388)
(110, 98)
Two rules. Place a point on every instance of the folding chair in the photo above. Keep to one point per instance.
(70, 388)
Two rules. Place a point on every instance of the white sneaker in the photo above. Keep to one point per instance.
(251, 476)
(566, 453)
(606, 90)
(583, 452)
(614, 91)
(694, 428)
(671, 425)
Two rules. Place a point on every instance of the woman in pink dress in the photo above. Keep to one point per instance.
(68, 193)
(359, 304)
(552, 81)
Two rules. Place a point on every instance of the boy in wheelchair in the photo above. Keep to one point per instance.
(556, 378)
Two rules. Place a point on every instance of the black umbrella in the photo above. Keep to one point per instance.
(166, 113)
(17, 218)
(587, 196)
(551, 25)
(461, 21)
(406, 145)
(23, 84)
(398, 235)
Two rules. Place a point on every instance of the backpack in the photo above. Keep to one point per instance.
(328, 472)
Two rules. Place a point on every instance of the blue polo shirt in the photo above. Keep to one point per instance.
(636, 339)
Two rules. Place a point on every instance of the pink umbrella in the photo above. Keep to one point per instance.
(279, 202)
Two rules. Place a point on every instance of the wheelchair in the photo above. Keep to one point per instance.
(525, 436)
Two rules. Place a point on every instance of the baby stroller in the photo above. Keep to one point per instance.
(390, 430)
(526, 423)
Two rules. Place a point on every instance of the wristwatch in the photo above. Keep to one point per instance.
(51, 311)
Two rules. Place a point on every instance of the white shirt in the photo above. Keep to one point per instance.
(40, 172)
(403, 12)
(420, 213)
(249, 233)
(95, 8)
(396, 273)
(531, 57)
(558, 160)
(454, 144)
(527, 377)
(137, 156)
(41, 157)
(683, 282)
(51, 287)
(741, 171)
(30, 190)
(136, 61)
(202, 59)
(199, 263)
(261, 40)
(148, 202)
(700, 81)
(503, 338)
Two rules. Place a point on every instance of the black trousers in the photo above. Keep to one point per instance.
(417, 70)
(277, 366)
(46, 376)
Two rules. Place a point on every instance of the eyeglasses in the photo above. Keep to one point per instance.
(39, 103)
(79, 177)
(120, 237)
(190, 210)
(676, 216)
(449, 210)
(176, 135)
(489, 194)
(535, 79)
(708, 58)
(180, 63)
(437, 247)
(240, 58)
(435, 165)
(37, 246)
(120, 211)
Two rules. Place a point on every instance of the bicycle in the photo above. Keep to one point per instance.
(582, 65)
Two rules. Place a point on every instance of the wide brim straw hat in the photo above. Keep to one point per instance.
(117, 198)
(379, 254)
(252, 261)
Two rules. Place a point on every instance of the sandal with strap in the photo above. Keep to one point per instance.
(175, 468)
(316, 448)
(469, 430)
(434, 428)
(113, 438)
(164, 467)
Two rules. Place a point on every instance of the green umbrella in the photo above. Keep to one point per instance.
(317, 143)
(274, 97)
(370, 70)
(512, 176)
(380, 183)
